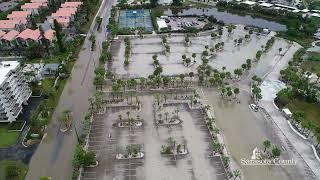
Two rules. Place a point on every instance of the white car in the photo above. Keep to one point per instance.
(254, 107)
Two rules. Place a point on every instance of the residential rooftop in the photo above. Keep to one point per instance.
(18, 14)
(33, 5)
(10, 24)
(10, 35)
(2, 33)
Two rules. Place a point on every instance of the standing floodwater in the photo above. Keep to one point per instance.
(230, 18)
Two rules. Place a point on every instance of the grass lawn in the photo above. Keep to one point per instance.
(23, 169)
(312, 66)
(7, 138)
(312, 111)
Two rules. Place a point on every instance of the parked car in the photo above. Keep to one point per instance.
(254, 107)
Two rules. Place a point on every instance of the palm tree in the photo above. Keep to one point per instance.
(266, 145)
(194, 55)
(128, 114)
(236, 91)
(157, 97)
(276, 152)
(217, 147)
(120, 117)
(237, 174)
(188, 61)
(166, 114)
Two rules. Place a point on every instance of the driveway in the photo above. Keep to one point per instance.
(55, 153)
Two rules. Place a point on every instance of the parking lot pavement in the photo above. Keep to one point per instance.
(105, 140)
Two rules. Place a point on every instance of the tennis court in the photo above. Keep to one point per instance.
(135, 18)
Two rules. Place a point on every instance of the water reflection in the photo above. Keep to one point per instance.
(229, 18)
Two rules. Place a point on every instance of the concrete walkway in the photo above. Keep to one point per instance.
(55, 153)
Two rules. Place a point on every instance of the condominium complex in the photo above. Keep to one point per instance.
(14, 91)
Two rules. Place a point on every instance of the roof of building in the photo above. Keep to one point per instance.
(49, 69)
(8, 24)
(264, 4)
(64, 12)
(29, 34)
(61, 20)
(287, 111)
(2, 33)
(165, 1)
(315, 14)
(10, 35)
(39, 1)
(49, 34)
(161, 23)
(19, 14)
(33, 5)
(249, 2)
(71, 4)
(285, 6)
(6, 67)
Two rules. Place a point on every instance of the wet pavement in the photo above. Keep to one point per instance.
(243, 130)
(106, 140)
(231, 57)
(55, 153)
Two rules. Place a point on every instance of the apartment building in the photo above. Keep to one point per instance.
(14, 91)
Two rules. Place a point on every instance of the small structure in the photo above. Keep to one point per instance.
(49, 70)
(161, 24)
(165, 2)
(287, 113)
(250, 3)
(266, 5)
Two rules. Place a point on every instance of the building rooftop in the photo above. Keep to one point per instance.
(64, 12)
(10, 35)
(315, 15)
(5, 68)
(8, 24)
(33, 5)
(26, 34)
(39, 1)
(264, 4)
(49, 34)
(161, 24)
(19, 14)
(250, 3)
(60, 20)
(71, 4)
(2, 33)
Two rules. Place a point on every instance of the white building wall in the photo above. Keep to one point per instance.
(14, 91)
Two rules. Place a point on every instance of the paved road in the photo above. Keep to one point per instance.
(54, 154)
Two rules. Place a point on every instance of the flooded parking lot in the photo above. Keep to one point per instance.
(106, 140)
(231, 56)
